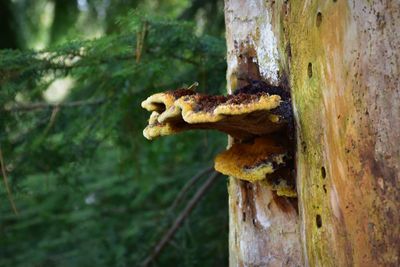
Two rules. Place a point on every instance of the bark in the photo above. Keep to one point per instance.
(341, 62)
(263, 227)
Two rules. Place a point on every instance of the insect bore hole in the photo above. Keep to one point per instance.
(323, 172)
(319, 19)
(318, 221)
(309, 70)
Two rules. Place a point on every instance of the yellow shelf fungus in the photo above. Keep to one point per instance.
(242, 115)
(248, 116)
(282, 182)
(261, 160)
(251, 161)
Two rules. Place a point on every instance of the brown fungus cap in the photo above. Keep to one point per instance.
(242, 115)
(252, 161)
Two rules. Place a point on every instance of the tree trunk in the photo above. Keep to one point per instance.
(264, 228)
(340, 60)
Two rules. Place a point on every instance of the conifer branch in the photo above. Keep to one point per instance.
(169, 234)
(188, 185)
(6, 185)
(45, 105)
(52, 119)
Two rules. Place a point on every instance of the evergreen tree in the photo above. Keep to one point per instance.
(84, 188)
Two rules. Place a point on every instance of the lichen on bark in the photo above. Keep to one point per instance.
(340, 59)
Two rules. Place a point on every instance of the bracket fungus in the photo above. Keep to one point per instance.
(252, 116)
(263, 159)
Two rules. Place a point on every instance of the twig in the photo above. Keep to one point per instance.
(44, 105)
(188, 185)
(140, 41)
(169, 234)
(5, 179)
(52, 119)
(22, 136)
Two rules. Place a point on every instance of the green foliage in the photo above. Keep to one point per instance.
(90, 190)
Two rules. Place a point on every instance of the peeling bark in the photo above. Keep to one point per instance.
(263, 227)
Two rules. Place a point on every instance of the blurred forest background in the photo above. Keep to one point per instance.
(80, 184)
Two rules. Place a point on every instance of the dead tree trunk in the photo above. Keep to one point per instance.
(264, 228)
(340, 60)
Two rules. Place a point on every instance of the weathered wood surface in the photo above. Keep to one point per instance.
(344, 73)
(341, 59)
(263, 227)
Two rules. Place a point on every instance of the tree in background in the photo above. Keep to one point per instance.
(82, 187)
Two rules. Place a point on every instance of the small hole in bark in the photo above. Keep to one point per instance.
(309, 70)
(304, 146)
(324, 187)
(323, 172)
(289, 51)
(319, 19)
(318, 220)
